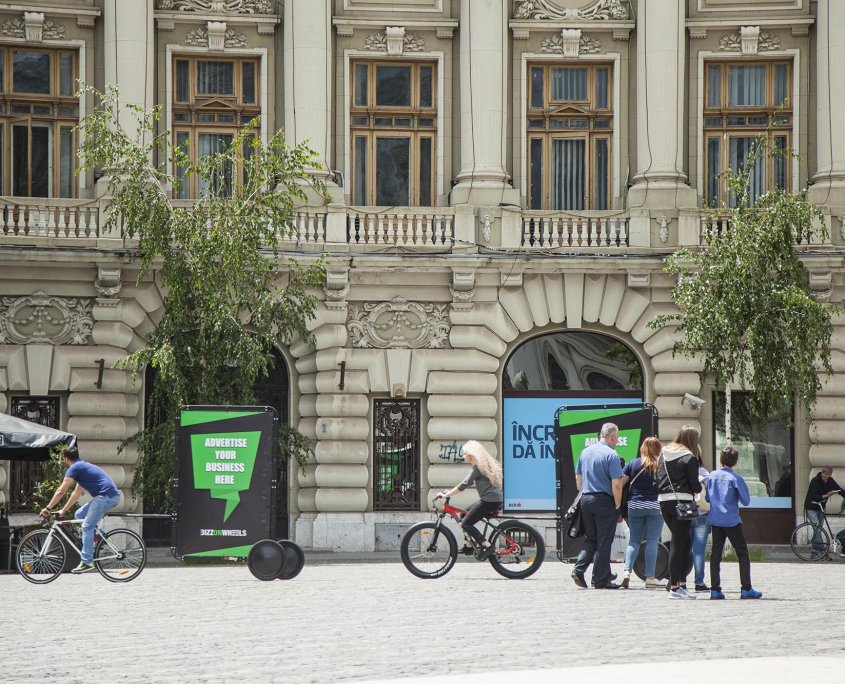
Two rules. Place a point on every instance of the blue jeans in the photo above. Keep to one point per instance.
(699, 532)
(817, 518)
(91, 514)
(650, 522)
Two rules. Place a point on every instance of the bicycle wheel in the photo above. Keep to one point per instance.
(802, 542)
(520, 550)
(39, 564)
(131, 555)
(428, 551)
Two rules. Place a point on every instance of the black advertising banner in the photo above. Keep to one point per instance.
(577, 429)
(224, 492)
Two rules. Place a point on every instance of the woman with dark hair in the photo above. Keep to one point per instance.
(675, 481)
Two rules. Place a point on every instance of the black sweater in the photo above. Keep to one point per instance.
(682, 467)
(818, 488)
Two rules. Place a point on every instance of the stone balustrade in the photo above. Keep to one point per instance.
(61, 219)
(552, 230)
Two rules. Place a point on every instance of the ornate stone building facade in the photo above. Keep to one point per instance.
(500, 172)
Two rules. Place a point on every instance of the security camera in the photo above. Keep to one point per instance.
(694, 401)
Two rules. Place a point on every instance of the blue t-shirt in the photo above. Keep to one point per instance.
(725, 491)
(93, 480)
(598, 465)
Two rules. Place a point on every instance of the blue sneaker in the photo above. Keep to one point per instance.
(751, 594)
(716, 595)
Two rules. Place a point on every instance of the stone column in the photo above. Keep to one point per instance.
(483, 179)
(128, 52)
(829, 181)
(661, 50)
(308, 75)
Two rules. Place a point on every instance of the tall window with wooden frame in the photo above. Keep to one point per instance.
(38, 112)
(744, 100)
(570, 130)
(393, 114)
(213, 98)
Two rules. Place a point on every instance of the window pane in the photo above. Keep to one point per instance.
(182, 81)
(601, 174)
(360, 120)
(536, 173)
(248, 152)
(713, 121)
(31, 72)
(360, 198)
(426, 97)
(67, 111)
(249, 82)
(426, 123)
(714, 86)
(66, 163)
(781, 92)
(601, 88)
(765, 451)
(579, 123)
(393, 171)
(205, 118)
(554, 123)
(181, 171)
(568, 173)
(780, 161)
(569, 84)
(602, 123)
(20, 161)
(221, 178)
(2, 70)
(226, 118)
(40, 161)
(393, 86)
(713, 161)
(740, 149)
(747, 84)
(65, 74)
(425, 172)
(360, 85)
(216, 78)
(540, 123)
(537, 88)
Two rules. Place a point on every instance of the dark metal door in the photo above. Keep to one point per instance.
(396, 455)
(25, 476)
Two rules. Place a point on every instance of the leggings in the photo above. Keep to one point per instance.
(479, 510)
(681, 543)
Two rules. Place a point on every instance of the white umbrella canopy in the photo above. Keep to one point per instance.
(22, 440)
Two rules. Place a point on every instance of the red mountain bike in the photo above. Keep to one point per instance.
(429, 549)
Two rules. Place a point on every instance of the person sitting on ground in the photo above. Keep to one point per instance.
(486, 474)
(644, 518)
(89, 478)
(725, 491)
(821, 488)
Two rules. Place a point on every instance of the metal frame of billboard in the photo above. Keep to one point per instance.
(559, 508)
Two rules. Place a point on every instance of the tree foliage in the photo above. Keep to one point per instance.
(746, 306)
(51, 479)
(229, 295)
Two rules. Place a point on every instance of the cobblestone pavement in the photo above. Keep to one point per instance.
(370, 621)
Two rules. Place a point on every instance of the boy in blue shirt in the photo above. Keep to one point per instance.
(725, 491)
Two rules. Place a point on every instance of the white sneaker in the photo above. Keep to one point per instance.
(655, 584)
(680, 594)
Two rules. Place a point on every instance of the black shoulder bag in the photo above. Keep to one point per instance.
(684, 510)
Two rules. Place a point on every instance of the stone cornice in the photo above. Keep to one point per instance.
(167, 21)
(85, 15)
(522, 28)
(347, 27)
(800, 26)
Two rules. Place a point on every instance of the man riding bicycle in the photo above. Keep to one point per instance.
(822, 487)
(89, 478)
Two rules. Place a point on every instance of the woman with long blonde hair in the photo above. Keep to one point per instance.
(486, 474)
(644, 518)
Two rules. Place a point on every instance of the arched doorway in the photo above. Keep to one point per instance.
(273, 390)
(572, 369)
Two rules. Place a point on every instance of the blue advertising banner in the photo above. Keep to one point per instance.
(528, 448)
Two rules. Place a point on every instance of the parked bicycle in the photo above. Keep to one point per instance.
(429, 549)
(815, 541)
(119, 555)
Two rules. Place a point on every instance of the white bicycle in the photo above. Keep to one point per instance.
(119, 555)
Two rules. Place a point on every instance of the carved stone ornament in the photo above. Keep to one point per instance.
(380, 42)
(664, 229)
(40, 318)
(486, 230)
(223, 6)
(33, 28)
(336, 286)
(211, 39)
(821, 285)
(583, 45)
(108, 282)
(383, 325)
(842, 226)
(546, 9)
(462, 287)
(736, 42)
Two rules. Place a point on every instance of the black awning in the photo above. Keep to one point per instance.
(22, 440)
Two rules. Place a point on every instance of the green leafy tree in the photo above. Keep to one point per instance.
(746, 307)
(51, 479)
(230, 297)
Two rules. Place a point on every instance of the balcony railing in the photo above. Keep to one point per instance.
(419, 227)
(718, 224)
(49, 218)
(550, 230)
